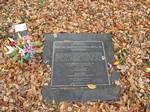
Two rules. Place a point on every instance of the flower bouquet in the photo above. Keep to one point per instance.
(19, 46)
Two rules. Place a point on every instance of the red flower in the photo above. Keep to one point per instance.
(12, 43)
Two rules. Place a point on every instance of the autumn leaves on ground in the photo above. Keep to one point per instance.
(127, 20)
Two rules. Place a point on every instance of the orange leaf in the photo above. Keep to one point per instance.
(120, 25)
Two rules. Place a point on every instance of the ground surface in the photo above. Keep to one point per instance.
(127, 20)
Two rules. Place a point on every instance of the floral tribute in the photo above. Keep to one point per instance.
(19, 47)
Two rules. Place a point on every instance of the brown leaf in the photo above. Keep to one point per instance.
(94, 108)
(20, 98)
(69, 109)
(62, 106)
(120, 25)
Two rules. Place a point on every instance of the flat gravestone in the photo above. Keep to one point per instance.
(78, 60)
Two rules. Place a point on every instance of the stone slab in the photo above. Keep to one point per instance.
(78, 60)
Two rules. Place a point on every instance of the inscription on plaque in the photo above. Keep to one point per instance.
(78, 63)
(77, 60)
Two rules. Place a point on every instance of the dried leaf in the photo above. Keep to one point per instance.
(117, 62)
(147, 69)
(120, 25)
(91, 86)
(37, 43)
(39, 50)
(94, 108)
(117, 82)
(26, 104)
(34, 17)
(146, 75)
(129, 28)
(62, 106)
(69, 109)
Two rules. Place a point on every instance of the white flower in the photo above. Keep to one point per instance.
(10, 49)
(21, 51)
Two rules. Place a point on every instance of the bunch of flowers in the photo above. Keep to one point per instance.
(18, 47)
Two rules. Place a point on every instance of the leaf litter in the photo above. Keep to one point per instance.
(128, 21)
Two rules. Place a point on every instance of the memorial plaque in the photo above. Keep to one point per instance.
(78, 60)
(79, 63)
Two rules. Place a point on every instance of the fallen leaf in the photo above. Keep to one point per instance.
(55, 35)
(117, 82)
(117, 62)
(91, 86)
(62, 106)
(34, 17)
(146, 75)
(120, 25)
(122, 50)
(69, 109)
(39, 50)
(42, 2)
(26, 104)
(147, 69)
(37, 43)
(53, 102)
(94, 108)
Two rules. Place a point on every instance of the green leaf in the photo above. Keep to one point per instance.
(4, 35)
(37, 43)
(21, 46)
(14, 53)
(15, 58)
(19, 35)
(42, 2)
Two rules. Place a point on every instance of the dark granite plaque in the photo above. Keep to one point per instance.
(78, 60)
(78, 63)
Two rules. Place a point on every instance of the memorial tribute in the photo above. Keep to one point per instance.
(79, 60)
